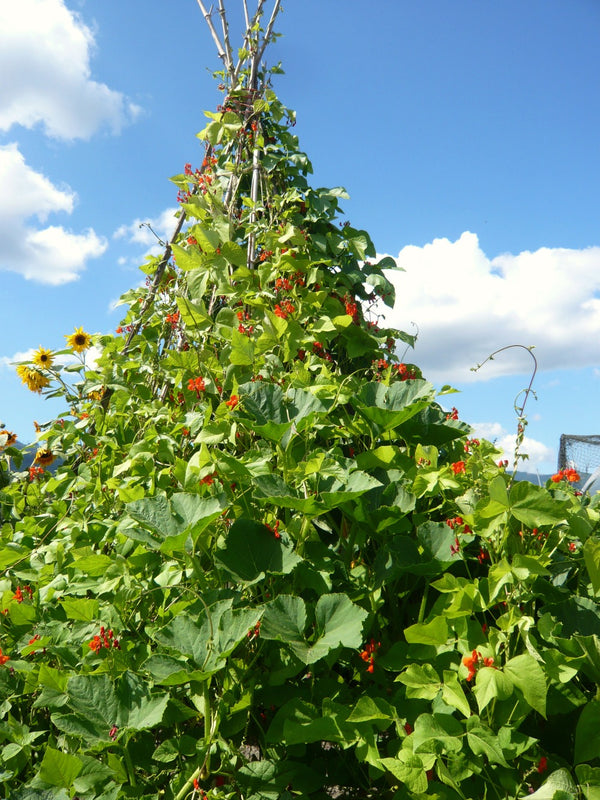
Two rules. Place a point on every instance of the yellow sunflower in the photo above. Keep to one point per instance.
(7, 439)
(43, 358)
(79, 341)
(32, 378)
(44, 457)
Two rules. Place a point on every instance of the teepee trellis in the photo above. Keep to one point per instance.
(237, 80)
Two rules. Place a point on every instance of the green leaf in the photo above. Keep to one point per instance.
(372, 709)
(421, 681)
(491, 684)
(558, 786)
(589, 781)
(186, 259)
(81, 608)
(408, 769)
(389, 406)
(528, 676)
(591, 555)
(251, 552)
(533, 505)
(484, 742)
(434, 632)
(211, 636)
(453, 693)
(338, 624)
(587, 733)
(437, 733)
(59, 769)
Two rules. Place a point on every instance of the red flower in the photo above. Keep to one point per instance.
(233, 401)
(34, 472)
(196, 385)
(113, 732)
(3, 658)
(458, 467)
(18, 595)
(542, 764)
(453, 414)
(470, 663)
(368, 654)
(570, 475)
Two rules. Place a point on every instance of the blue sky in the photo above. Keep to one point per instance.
(466, 133)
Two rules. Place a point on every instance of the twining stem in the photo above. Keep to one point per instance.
(519, 409)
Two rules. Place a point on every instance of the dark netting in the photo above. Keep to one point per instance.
(583, 454)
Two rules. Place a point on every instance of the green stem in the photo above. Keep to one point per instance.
(129, 766)
(423, 605)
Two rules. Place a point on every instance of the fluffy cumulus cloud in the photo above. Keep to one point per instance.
(149, 233)
(539, 454)
(45, 75)
(48, 254)
(466, 305)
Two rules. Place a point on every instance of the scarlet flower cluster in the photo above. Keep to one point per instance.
(284, 310)
(320, 351)
(351, 309)
(208, 480)
(275, 529)
(34, 472)
(542, 765)
(283, 283)
(265, 254)
(474, 661)
(470, 443)
(3, 658)
(106, 639)
(457, 522)
(196, 385)
(570, 475)
(452, 414)
(368, 654)
(458, 467)
(233, 401)
(404, 373)
(173, 319)
(18, 595)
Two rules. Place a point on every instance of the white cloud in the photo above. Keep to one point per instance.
(467, 305)
(51, 254)
(138, 231)
(22, 355)
(45, 75)
(538, 452)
